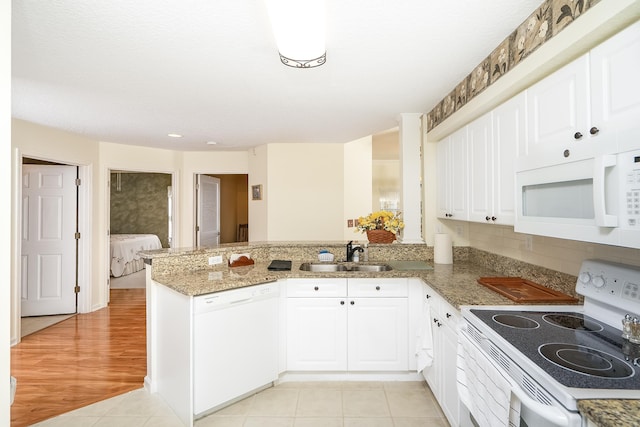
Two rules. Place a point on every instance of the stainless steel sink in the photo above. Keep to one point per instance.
(371, 267)
(322, 268)
(329, 268)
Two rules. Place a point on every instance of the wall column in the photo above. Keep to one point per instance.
(410, 126)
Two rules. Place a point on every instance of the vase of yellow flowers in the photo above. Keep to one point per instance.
(381, 226)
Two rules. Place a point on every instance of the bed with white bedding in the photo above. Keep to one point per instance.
(124, 252)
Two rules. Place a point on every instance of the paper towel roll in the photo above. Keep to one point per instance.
(442, 249)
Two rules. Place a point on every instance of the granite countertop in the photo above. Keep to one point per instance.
(466, 291)
(456, 283)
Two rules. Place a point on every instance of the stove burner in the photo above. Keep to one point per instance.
(572, 321)
(585, 360)
(515, 321)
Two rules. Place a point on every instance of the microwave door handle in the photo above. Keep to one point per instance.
(600, 165)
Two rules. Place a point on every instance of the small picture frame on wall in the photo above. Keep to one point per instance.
(256, 192)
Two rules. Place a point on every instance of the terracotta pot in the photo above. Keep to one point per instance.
(380, 236)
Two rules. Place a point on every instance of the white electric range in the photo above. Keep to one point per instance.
(557, 355)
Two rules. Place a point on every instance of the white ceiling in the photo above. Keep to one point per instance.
(132, 71)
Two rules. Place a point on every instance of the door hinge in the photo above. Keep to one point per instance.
(78, 182)
(76, 289)
(77, 235)
(197, 228)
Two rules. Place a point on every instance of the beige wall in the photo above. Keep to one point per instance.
(304, 192)
(358, 172)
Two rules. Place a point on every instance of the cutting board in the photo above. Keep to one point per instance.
(409, 265)
(524, 291)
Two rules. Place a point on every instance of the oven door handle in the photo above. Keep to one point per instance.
(550, 413)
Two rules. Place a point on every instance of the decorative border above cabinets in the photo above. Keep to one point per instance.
(551, 17)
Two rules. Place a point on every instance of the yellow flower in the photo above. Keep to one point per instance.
(380, 220)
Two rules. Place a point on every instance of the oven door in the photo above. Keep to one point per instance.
(541, 410)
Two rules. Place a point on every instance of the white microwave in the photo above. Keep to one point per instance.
(592, 200)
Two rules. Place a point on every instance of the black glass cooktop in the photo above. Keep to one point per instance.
(575, 349)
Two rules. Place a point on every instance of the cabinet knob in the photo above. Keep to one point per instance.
(341, 302)
(439, 324)
(594, 130)
(428, 296)
(377, 288)
(493, 218)
(577, 135)
(566, 153)
(435, 320)
(315, 288)
(448, 315)
(352, 302)
(487, 218)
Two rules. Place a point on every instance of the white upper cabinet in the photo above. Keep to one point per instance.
(452, 176)
(558, 116)
(615, 92)
(480, 152)
(509, 138)
(588, 108)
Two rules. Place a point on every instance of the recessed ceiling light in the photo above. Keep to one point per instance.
(211, 143)
(174, 135)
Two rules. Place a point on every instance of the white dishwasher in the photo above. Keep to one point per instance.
(235, 344)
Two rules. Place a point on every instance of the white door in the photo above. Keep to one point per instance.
(49, 217)
(480, 154)
(208, 217)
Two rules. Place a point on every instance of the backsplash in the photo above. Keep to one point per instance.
(551, 17)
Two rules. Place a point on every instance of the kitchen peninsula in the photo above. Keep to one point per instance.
(178, 278)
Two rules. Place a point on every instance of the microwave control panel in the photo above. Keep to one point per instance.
(631, 187)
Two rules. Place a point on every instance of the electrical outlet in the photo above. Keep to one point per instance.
(213, 260)
(528, 243)
(349, 223)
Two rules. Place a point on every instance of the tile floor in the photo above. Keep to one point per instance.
(293, 404)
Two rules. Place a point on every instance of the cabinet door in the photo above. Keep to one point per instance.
(458, 175)
(615, 91)
(443, 172)
(378, 334)
(449, 399)
(432, 304)
(480, 153)
(509, 140)
(316, 334)
(451, 176)
(558, 109)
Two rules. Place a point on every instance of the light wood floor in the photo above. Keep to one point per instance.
(81, 360)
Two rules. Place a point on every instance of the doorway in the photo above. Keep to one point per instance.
(140, 217)
(50, 273)
(233, 208)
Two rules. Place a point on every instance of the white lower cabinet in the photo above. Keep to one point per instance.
(441, 375)
(316, 334)
(352, 325)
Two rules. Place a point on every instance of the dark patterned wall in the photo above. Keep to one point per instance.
(141, 205)
(548, 20)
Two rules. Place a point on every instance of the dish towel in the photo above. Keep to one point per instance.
(484, 388)
(424, 343)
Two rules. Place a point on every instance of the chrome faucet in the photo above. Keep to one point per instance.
(351, 250)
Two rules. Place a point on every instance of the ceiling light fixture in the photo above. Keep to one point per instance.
(299, 29)
(174, 135)
(211, 143)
